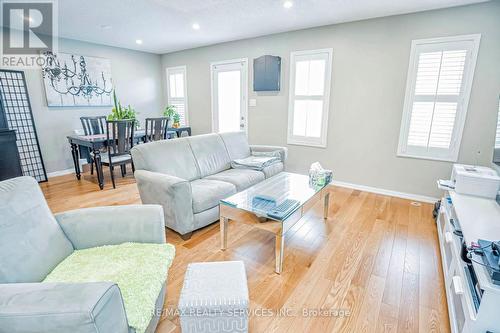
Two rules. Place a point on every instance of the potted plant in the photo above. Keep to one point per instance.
(119, 112)
(177, 120)
(173, 115)
(169, 112)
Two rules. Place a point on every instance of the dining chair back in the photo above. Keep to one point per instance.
(156, 129)
(120, 139)
(93, 125)
(120, 136)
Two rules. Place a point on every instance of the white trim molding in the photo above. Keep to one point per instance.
(442, 53)
(391, 193)
(60, 173)
(173, 100)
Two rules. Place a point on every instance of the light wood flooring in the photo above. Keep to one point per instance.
(376, 257)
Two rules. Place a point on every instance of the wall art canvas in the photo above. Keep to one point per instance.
(77, 80)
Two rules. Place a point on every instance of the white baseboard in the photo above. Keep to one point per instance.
(409, 196)
(60, 173)
(82, 161)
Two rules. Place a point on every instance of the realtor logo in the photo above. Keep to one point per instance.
(29, 29)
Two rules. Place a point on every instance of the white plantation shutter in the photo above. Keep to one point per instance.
(310, 75)
(437, 94)
(177, 91)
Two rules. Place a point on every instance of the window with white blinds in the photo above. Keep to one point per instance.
(310, 75)
(177, 91)
(437, 95)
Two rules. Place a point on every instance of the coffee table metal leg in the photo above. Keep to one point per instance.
(326, 205)
(223, 232)
(280, 247)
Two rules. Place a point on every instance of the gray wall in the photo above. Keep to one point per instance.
(370, 62)
(137, 79)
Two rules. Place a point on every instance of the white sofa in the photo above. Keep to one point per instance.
(188, 176)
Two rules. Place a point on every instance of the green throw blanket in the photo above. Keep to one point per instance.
(139, 270)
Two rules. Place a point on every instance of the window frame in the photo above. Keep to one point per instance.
(305, 140)
(432, 45)
(175, 70)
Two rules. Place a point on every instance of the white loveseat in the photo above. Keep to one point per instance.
(188, 176)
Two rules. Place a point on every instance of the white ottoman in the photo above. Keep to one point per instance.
(214, 298)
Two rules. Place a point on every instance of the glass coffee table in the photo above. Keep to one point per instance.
(285, 185)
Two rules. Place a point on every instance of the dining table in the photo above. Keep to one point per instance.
(97, 142)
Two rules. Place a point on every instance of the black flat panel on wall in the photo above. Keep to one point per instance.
(15, 105)
(266, 73)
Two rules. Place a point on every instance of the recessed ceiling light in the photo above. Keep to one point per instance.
(196, 26)
(288, 4)
(138, 41)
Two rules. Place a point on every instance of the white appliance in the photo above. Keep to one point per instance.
(473, 299)
(475, 180)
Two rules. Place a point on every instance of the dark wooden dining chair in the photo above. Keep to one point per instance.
(93, 126)
(156, 129)
(120, 139)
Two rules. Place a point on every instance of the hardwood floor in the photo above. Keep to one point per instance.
(376, 259)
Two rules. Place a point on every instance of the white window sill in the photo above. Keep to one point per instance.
(430, 158)
(305, 143)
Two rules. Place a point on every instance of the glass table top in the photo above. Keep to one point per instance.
(280, 187)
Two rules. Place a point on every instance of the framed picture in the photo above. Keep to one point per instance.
(77, 80)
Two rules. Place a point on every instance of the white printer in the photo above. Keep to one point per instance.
(475, 180)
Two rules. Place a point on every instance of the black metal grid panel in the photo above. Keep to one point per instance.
(17, 108)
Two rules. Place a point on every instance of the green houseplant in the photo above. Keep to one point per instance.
(119, 112)
(172, 114)
(177, 120)
(169, 112)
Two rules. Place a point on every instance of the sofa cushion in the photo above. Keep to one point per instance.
(207, 193)
(31, 241)
(171, 157)
(236, 144)
(241, 178)
(138, 269)
(273, 169)
(206, 217)
(210, 153)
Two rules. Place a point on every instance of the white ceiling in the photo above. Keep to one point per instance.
(166, 25)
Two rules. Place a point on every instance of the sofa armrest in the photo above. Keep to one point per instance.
(262, 148)
(172, 193)
(62, 307)
(91, 227)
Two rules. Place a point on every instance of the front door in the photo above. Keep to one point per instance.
(229, 95)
